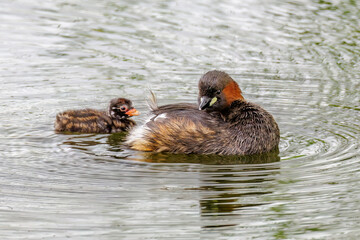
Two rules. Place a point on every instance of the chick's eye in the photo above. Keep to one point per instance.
(218, 92)
(123, 108)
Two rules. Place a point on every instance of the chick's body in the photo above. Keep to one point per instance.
(115, 119)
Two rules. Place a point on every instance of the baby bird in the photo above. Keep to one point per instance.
(115, 119)
(222, 122)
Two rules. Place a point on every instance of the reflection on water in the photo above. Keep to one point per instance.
(210, 159)
(300, 60)
(228, 192)
(115, 143)
(223, 191)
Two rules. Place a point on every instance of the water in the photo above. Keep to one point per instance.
(298, 59)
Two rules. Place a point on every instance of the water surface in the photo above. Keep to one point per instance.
(298, 59)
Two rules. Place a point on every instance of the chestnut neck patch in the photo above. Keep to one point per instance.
(232, 92)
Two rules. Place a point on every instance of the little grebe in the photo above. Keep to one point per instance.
(115, 119)
(222, 123)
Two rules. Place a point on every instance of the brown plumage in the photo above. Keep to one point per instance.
(222, 123)
(115, 119)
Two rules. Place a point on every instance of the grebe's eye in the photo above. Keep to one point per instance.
(218, 92)
(123, 108)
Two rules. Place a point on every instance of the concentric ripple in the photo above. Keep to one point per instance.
(298, 59)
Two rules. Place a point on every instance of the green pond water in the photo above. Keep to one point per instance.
(298, 59)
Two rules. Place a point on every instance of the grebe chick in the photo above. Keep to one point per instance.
(115, 119)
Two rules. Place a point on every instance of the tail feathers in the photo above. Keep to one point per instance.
(152, 102)
(60, 123)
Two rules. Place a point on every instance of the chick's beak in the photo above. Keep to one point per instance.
(132, 112)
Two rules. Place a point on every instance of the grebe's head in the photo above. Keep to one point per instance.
(121, 108)
(217, 90)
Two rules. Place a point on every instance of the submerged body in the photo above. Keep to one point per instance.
(222, 123)
(116, 119)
